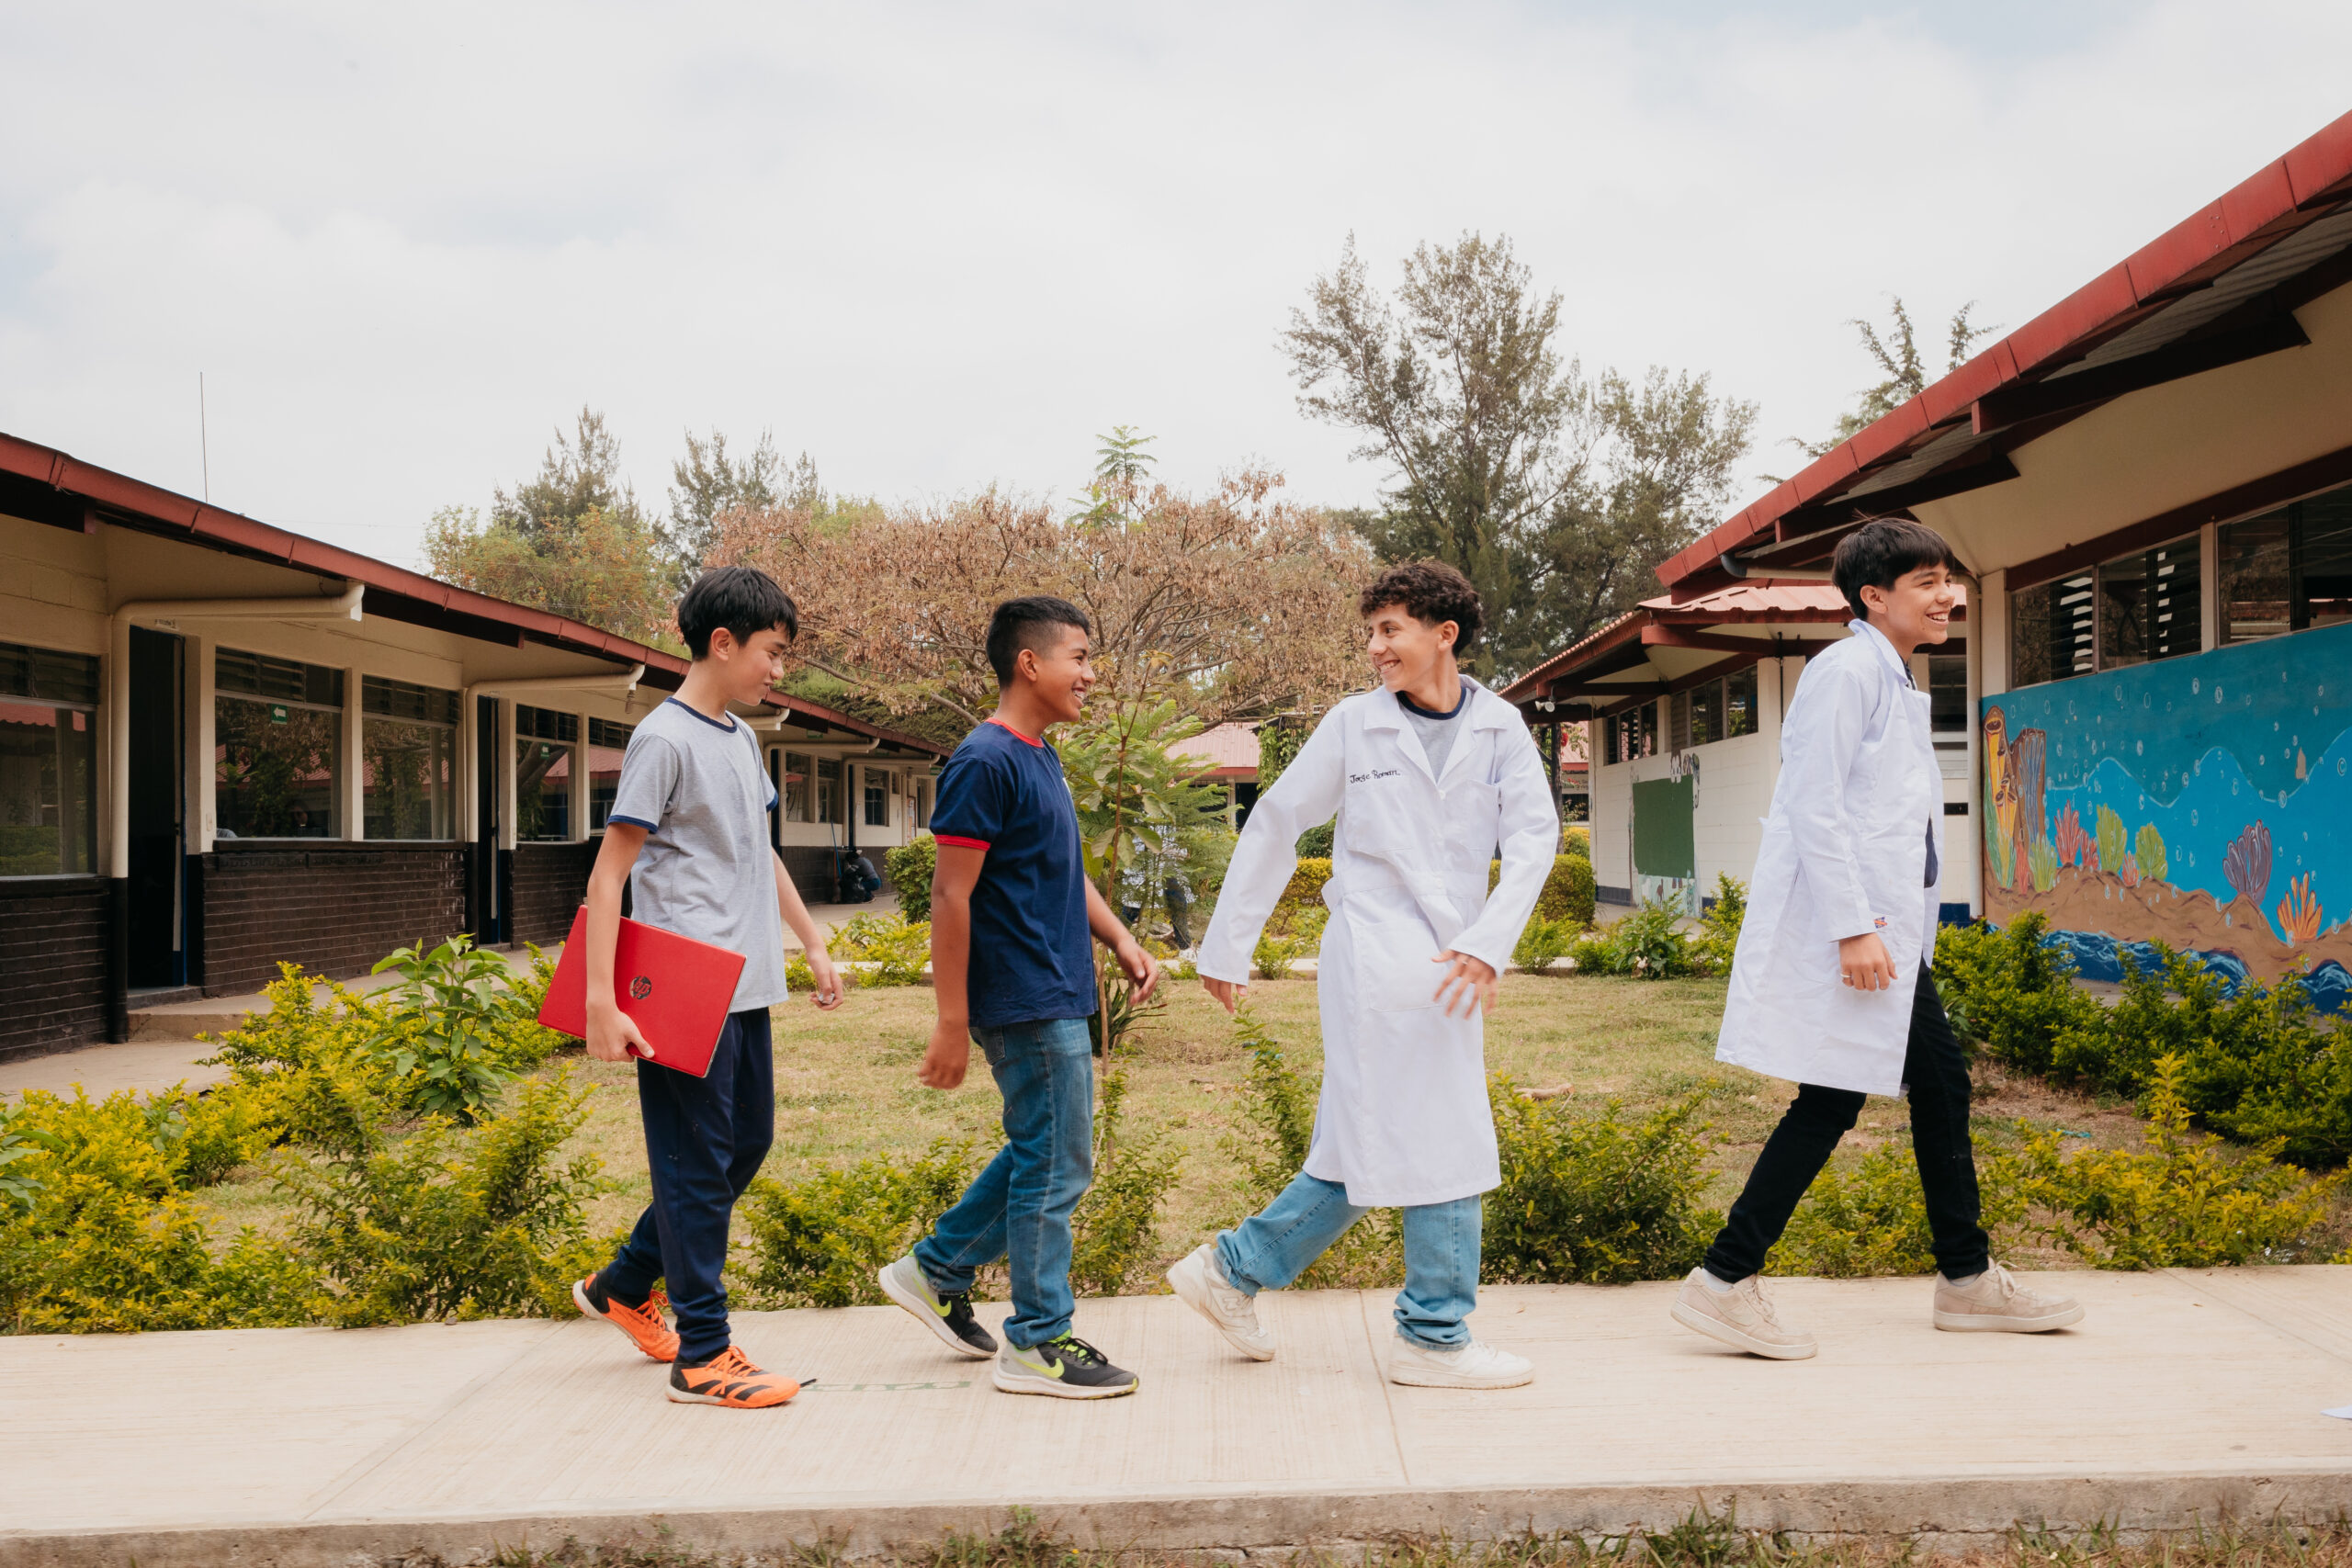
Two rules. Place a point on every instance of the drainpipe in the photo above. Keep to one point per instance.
(344, 605)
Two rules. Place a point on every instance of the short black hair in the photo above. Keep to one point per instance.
(1025, 623)
(743, 599)
(1432, 594)
(1877, 554)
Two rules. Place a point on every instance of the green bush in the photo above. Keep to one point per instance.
(1569, 893)
(908, 870)
(1300, 937)
(1598, 1199)
(821, 1240)
(2011, 991)
(1114, 1234)
(896, 949)
(1872, 1220)
(1718, 939)
(445, 1222)
(1316, 842)
(1648, 944)
(445, 1016)
(1303, 892)
(1543, 942)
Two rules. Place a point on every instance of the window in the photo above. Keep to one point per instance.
(833, 799)
(1649, 731)
(48, 774)
(877, 797)
(1677, 722)
(1947, 690)
(2288, 570)
(607, 744)
(277, 748)
(922, 804)
(1707, 714)
(2135, 608)
(1739, 701)
(797, 781)
(546, 746)
(408, 759)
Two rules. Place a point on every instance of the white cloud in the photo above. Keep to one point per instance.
(937, 246)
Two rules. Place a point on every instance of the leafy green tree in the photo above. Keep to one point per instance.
(707, 481)
(1554, 494)
(1903, 374)
(578, 475)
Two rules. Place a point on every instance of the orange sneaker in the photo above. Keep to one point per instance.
(729, 1378)
(645, 1326)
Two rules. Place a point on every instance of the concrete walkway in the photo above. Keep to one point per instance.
(2186, 1396)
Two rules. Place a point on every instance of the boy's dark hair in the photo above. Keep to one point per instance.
(743, 599)
(1432, 592)
(1028, 623)
(1877, 554)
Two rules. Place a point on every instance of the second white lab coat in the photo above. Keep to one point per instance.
(1845, 851)
(1404, 1117)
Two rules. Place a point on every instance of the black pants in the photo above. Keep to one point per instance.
(1936, 1070)
(705, 1138)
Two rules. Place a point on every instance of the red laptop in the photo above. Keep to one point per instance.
(677, 990)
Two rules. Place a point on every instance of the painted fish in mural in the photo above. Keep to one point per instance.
(2014, 773)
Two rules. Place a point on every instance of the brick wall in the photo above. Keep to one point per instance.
(811, 870)
(548, 884)
(52, 967)
(335, 910)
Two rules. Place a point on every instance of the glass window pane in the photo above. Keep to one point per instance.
(546, 724)
(922, 804)
(831, 799)
(2147, 606)
(45, 676)
(2175, 620)
(1739, 701)
(276, 680)
(877, 797)
(2256, 591)
(1649, 731)
(399, 699)
(607, 744)
(2029, 636)
(542, 791)
(2323, 559)
(49, 791)
(410, 780)
(1707, 713)
(1948, 691)
(800, 782)
(276, 769)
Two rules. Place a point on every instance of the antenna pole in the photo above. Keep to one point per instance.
(203, 437)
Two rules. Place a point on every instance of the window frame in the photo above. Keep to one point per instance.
(33, 696)
(339, 709)
(368, 686)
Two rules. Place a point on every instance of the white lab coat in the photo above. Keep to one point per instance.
(1404, 1117)
(1845, 851)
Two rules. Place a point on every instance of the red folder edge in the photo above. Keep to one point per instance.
(678, 991)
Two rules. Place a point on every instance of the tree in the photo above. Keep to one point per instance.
(571, 540)
(1905, 376)
(1553, 494)
(707, 481)
(1232, 605)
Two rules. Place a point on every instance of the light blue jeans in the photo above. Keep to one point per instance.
(1018, 1208)
(1276, 1246)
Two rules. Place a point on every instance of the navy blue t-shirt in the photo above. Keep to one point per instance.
(1031, 956)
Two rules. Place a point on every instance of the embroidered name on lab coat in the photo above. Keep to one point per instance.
(1375, 774)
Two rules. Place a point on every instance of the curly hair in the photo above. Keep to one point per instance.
(1432, 592)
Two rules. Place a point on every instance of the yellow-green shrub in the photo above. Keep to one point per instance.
(1596, 1199)
(895, 948)
(908, 869)
(1569, 892)
(1114, 1234)
(820, 1241)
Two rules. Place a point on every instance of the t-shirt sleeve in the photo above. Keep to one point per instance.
(973, 793)
(649, 785)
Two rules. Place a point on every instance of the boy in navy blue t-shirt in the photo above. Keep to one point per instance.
(1010, 912)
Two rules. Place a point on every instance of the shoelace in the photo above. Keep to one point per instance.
(1076, 1349)
(734, 1363)
(1754, 1294)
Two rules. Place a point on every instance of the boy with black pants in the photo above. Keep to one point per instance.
(690, 821)
(1010, 912)
(1831, 986)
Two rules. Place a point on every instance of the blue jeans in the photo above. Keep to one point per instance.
(705, 1138)
(1275, 1246)
(1018, 1208)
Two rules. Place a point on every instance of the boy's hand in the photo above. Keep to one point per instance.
(1865, 963)
(828, 995)
(1228, 992)
(613, 1035)
(1475, 980)
(949, 1055)
(1140, 967)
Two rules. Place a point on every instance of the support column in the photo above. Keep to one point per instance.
(355, 781)
(2208, 586)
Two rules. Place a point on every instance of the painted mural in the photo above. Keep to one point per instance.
(2204, 803)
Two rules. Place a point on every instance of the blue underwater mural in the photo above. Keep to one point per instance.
(2204, 803)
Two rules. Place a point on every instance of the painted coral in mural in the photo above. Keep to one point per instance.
(2202, 803)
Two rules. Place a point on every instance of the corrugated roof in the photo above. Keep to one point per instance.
(1227, 749)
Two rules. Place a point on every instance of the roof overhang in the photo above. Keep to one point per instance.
(2219, 289)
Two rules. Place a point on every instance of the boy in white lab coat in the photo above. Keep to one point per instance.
(1830, 986)
(1429, 774)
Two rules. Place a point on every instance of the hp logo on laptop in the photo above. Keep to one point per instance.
(641, 988)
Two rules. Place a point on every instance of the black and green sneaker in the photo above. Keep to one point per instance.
(1066, 1368)
(950, 1318)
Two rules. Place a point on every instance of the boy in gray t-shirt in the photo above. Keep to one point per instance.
(688, 833)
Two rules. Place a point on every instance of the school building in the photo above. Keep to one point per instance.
(223, 745)
(2151, 482)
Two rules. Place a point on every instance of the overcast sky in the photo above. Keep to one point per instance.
(938, 247)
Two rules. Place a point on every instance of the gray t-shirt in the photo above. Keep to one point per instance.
(699, 791)
(1436, 729)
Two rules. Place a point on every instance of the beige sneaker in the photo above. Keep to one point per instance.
(1739, 1317)
(1199, 1278)
(1994, 1303)
(1473, 1364)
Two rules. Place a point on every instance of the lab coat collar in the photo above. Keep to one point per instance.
(1877, 640)
(1486, 712)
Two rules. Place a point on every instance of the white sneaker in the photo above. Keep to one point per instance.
(1739, 1317)
(1474, 1365)
(1994, 1303)
(1199, 1280)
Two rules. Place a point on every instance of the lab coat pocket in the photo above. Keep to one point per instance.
(1395, 954)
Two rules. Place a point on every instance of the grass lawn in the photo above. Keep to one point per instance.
(846, 1088)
